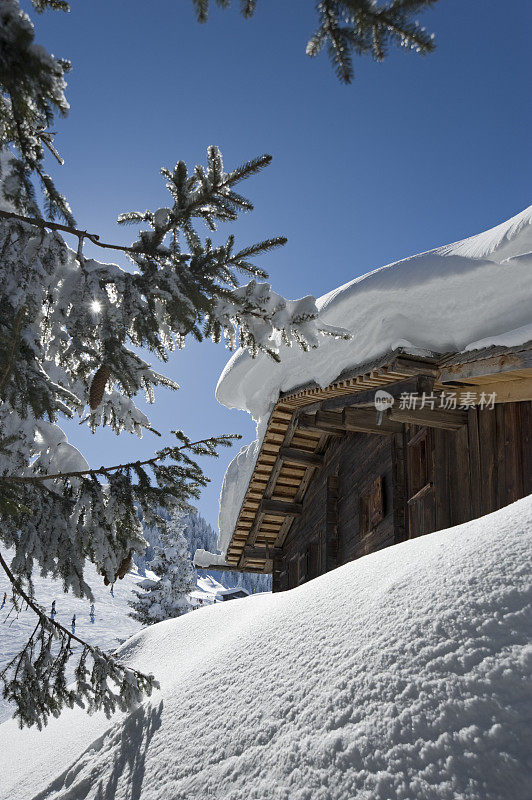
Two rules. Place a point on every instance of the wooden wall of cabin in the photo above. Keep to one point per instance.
(431, 479)
(355, 481)
(452, 477)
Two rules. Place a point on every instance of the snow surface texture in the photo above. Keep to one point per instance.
(404, 675)
(469, 294)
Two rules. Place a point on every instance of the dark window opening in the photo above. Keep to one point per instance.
(418, 462)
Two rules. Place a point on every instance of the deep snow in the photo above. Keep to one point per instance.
(404, 675)
(473, 293)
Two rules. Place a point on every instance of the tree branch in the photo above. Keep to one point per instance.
(57, 226)
(47, 620)
(9, 365)
(104, 470)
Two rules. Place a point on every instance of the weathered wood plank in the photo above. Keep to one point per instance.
(487, 428)
(525, 437)
(451, 420)
(362, 420)
(412, 366)
(296, 456)
(399, 487)
(366, 397)
(281, 508)
(500, 414)
(487, 366)
(474, 462)
(323, 425)
(236, 568)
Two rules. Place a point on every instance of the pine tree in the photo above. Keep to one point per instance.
(354, 26)
(168, 596)
(75, 336)
(201, 536)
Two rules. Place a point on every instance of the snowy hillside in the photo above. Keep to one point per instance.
(472, 293)
(111, 626)
(112, 623)
(403, 675)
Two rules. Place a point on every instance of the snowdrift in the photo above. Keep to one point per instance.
(473, 293)
(402, 675)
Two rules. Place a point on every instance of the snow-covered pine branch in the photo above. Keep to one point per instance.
(362, 27)
(34, 679)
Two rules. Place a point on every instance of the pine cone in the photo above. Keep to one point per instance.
(98, 384)
(125, 566)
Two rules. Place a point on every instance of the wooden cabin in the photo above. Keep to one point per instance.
(335, 479)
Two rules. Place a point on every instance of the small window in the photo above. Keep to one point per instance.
(371, 507)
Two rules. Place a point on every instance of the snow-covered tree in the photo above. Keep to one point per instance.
(201, 536)
(355, 26)
(167, 597)
(75, 336)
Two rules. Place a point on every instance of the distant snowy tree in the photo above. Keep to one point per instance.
(200, 535)
(355, 26)
(74, 334)
(167, 597)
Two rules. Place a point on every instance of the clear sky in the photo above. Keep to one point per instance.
(417, 152)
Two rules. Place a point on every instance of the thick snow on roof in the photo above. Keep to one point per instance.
(472, 293)
(440, 301)
(405, 674)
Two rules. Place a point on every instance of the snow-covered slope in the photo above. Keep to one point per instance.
(404, 675)
(475, 292)
(112, 624)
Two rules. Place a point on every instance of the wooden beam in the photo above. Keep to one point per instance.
(449, 420)
(280, 507)
(261, 552)
(230, 568)
(413, 366)
(364, 420)
(300, 495)
(366, 397)
(510, 391)
(295, 456)
(268, 491)
(313, 423)
(350, 420)
(505, 362)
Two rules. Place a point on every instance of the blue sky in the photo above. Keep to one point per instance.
(415, 153)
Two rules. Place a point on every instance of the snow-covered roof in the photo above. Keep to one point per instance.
(463, 296)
